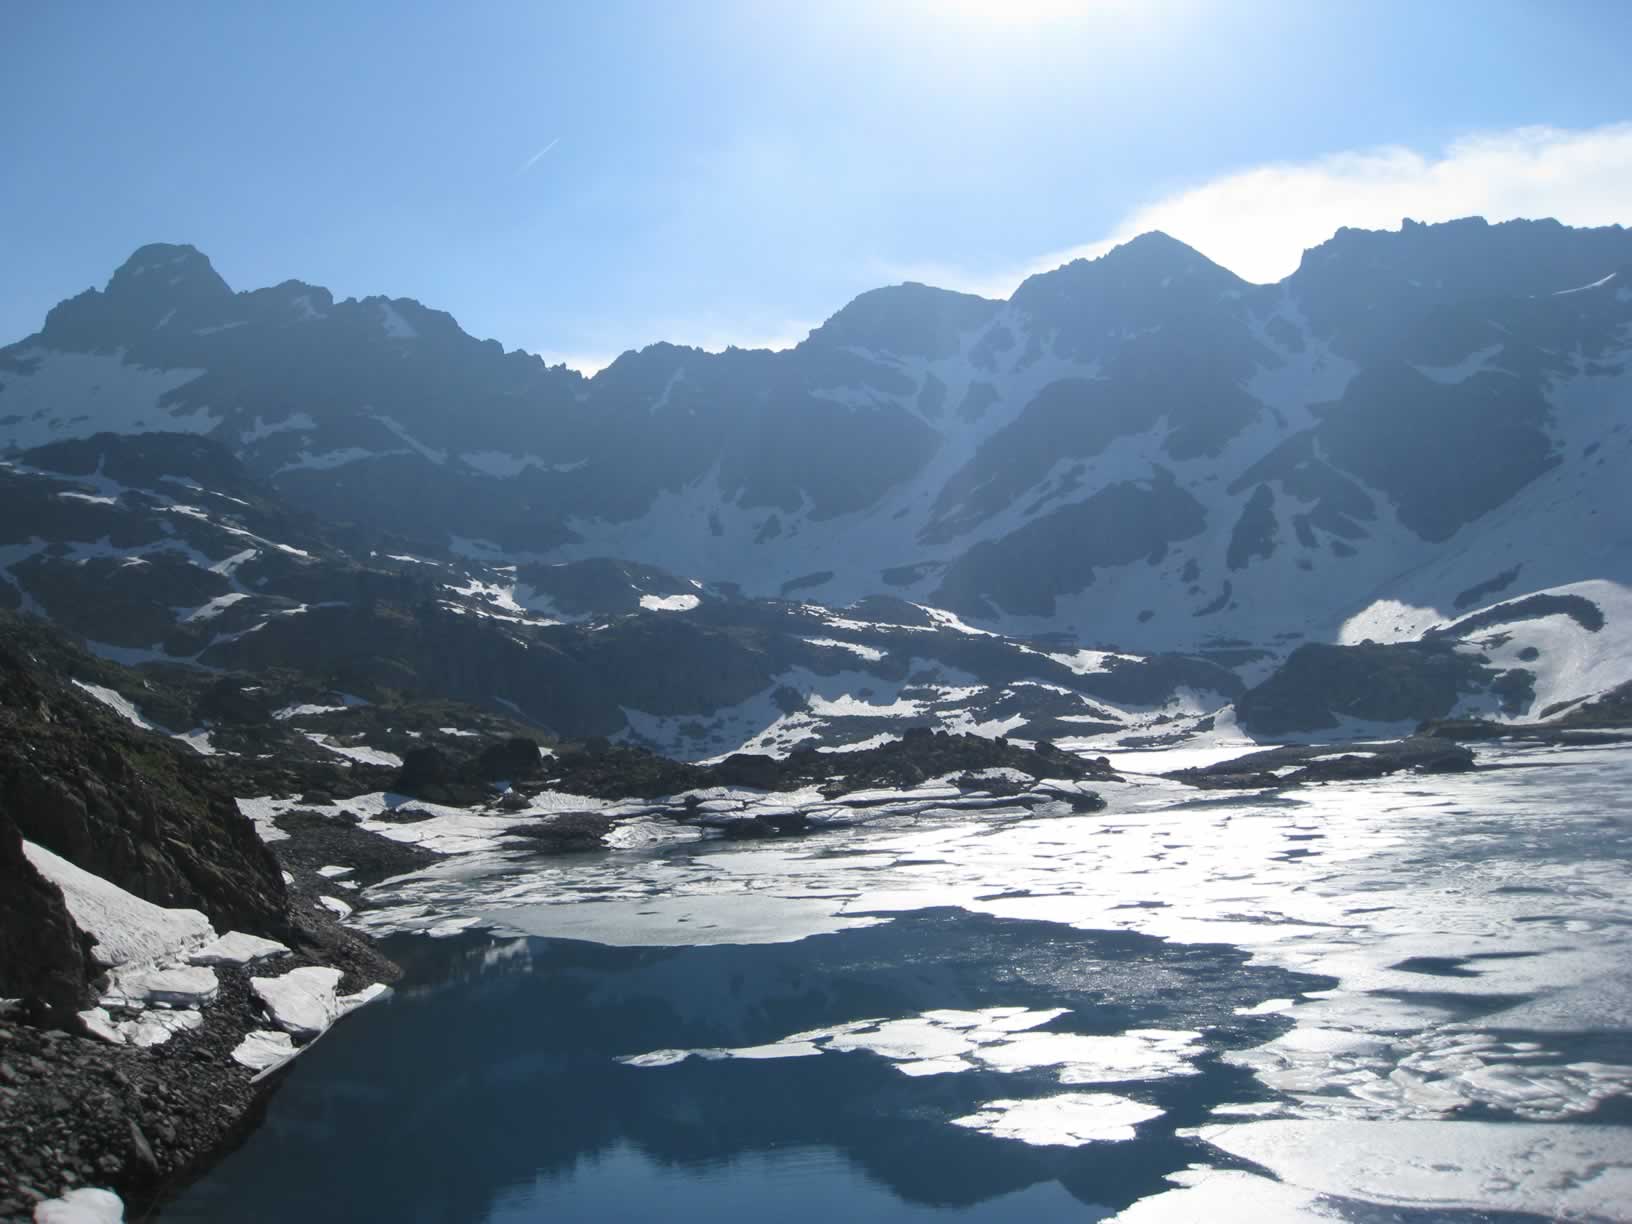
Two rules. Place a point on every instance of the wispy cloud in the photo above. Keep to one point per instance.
(533, 160)
(1258, 221)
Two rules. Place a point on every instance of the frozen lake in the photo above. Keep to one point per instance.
(1397, 1000)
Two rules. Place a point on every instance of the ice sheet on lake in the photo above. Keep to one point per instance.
(1226, 1196)
(1558, 1171)
(1505, 895)
(681, 921)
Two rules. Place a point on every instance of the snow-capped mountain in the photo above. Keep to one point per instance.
(1140, 453)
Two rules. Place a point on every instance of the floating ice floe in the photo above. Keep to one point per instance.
(1067, 1119)
(947, 1041)
(1344, 1073)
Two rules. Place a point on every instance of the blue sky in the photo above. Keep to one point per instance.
(735, 172)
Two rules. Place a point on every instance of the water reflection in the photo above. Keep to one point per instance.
(490, 1087)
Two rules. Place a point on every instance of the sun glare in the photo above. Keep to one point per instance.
(1025, 13)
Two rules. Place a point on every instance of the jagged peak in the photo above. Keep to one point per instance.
(1470, 254)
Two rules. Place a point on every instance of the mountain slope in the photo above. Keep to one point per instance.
(1142, 451)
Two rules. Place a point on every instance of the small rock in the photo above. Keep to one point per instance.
(140, 1148)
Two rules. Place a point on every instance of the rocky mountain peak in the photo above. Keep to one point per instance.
(908, 320)
(165, 274)
(1148, 273)
(161, 285)
(1471, 257)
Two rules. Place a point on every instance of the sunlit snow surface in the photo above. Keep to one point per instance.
(1477, 927)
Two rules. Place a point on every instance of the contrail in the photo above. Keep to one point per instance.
(533, 160)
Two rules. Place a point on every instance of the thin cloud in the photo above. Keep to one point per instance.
(533, 160)
(1257, 222)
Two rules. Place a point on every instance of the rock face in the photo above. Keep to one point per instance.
(921, 754)
(124, 805)
(1294, 766)
(1559, 654)
(141, 813)
(1141, 448)
(1319, 685)
(44, 958)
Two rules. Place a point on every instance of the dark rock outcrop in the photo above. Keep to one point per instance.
(1320, 684)
(1330, 763)
(139, 810)
(45, 959)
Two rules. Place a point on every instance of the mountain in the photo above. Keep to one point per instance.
(1140, 454)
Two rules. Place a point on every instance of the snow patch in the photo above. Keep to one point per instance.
(214, 607)
(669, 603)
(303, 1001)
(396, 327)
(870, 653)
(86, 1205)
(262, 1049)
(360, 753)
(237, 948)
(128, 930)
(117, 704)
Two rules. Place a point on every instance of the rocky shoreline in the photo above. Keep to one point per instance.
(155, 957)
(78, 1111)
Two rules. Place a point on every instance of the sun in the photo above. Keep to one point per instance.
(1024, 13)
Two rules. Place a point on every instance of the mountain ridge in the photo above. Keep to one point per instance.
(1285, 446)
